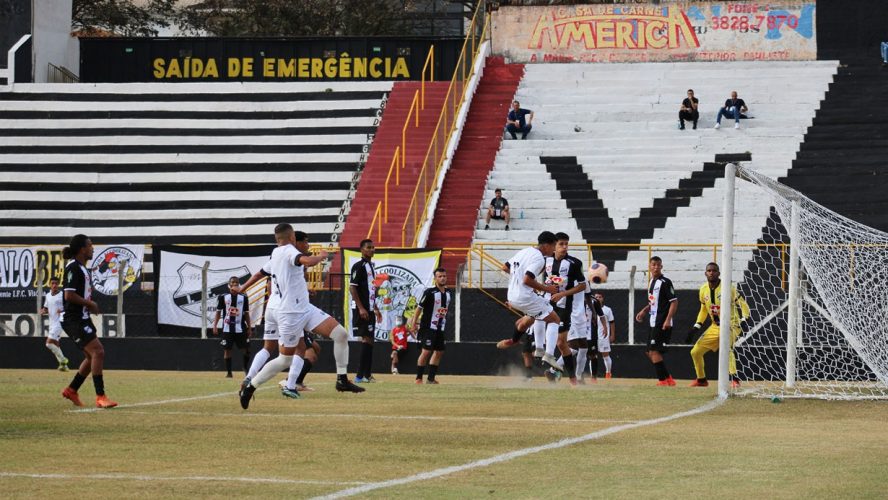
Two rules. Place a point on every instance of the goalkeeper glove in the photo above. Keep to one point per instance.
(691, 332)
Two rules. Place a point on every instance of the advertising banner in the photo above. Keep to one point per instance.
(184, 59)
(179, 282)
(401, 277)
(655, 31)
(21, 267)
(31, 325)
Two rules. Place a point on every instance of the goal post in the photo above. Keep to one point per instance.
(816, 289)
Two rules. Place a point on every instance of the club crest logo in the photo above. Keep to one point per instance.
(108, 266)
(395, 295)
(187, 294)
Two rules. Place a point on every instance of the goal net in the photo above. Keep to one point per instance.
(818, 326)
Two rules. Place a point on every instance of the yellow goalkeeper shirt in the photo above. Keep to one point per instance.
(710, 305)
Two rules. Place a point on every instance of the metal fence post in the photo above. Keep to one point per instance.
(203, 299)
(121, 271)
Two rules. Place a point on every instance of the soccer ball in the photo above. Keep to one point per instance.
(598, 273)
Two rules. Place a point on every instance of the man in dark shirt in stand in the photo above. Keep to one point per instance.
(689, 110)
(498, 209)
(517, 121)
(733, 108)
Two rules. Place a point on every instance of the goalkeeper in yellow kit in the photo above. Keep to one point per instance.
(710, 305)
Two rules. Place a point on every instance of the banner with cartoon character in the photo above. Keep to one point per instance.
(639, 31)
(22, 267)
(179, 281)
(401, 277)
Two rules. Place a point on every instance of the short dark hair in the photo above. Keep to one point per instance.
(562, 237)
(656, 259)
(301, 236)
(440, 270)
(690, 90)
(54, 278)
(78, 241)
(546, 238)
(282, 228)
(713, 264)
(497, 190)
(233, 278)
(366, 242)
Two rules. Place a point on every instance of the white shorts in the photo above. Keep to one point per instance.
(55, 332)
(604, 343)
(292, 326)
(270, 331)
(578, 326)
(535, 306)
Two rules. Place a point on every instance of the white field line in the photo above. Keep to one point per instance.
(161, 402)
(143, 477)
(422, 476)
(387, 417)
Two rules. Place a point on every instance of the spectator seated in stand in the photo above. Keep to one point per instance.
(498, 209)
(516, 121)
(689, 110)
(733, 108)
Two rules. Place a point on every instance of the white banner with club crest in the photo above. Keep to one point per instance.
(401, 277)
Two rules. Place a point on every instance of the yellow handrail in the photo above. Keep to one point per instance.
(414, 105)
(442, 134)
(385, 217)
(376, 222)
(430, 63)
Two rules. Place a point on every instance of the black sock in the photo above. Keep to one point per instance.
(366, 360)
(593, 366)
(228, 365)
(305, 369)
(702, 380)
(570, 365)
(99, 382)
(246, 362)
(433, 370)
(528, 371)
(516, 336)
(419, 371)
(77, 381)
(661, 370)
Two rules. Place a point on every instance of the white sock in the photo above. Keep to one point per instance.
(295, 370)
(551, 338)
(581, 361)
(258, 362)
(340, 349)
(56, 351)
(560, 362)
(271, 369)
(539, 334)
(607, 364)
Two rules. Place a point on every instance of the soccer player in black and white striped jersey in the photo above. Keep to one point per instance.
(431, 311)
(236, 328)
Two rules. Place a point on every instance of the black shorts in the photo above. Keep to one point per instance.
(361, 327)
(81, 331)
(431, 340)
(229, 340)
(659, 338)
(309, 340)
(529, 345)
(498, 217)
(563, 315)
(578, 344)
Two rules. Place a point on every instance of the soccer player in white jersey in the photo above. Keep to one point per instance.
(523, 269)
(294, 314)
(607, 333)
(53, 307)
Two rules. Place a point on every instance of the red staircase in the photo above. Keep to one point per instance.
(457, 210)
(388, 137)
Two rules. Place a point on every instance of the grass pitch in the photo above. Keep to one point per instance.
(183, 434)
